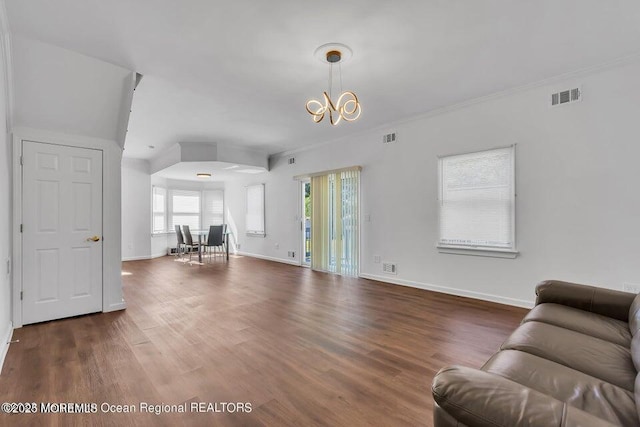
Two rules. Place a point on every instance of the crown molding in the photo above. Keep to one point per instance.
(618, 62)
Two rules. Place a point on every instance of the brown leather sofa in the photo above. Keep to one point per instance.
(573, 361)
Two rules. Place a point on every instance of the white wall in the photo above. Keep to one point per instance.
(159, 242)
(136, 209)
(63, 91)
(577, 174)
(5, 195)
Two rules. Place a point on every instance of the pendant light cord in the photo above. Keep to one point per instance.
(330, 80)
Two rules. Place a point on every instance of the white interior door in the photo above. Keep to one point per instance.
(62, 231)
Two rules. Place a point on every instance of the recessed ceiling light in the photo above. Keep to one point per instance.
(203, 175)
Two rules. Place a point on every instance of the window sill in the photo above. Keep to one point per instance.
(488, 252)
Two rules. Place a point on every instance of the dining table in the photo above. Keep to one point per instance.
(202, 238)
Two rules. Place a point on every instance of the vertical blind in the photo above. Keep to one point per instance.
(477, 199)
(255, 210)
(334, 222)
(212, 208)
(159, 209)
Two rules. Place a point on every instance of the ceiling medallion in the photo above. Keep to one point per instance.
(347, 107)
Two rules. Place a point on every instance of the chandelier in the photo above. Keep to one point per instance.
(347, 107)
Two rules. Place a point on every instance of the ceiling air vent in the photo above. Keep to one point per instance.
(292, 160)
(566, 97)
(389, 138)
(389, 268)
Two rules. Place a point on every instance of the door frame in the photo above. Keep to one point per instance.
(302, 218)
(112, 299)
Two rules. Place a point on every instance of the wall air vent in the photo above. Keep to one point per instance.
(566, 97)
(389, 138)
(292, 160)
(389, 268)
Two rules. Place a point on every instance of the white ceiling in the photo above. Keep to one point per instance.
(241, 71)
(220, 171)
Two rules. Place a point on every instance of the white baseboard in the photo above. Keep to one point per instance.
(6, 338)
(116, 307)
(135, 258)
(140, 258)
(452, 291)
(269, 258)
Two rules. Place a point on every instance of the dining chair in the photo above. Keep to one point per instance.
(224, 237)
(189, 243)
(181, 248)
(215, 239)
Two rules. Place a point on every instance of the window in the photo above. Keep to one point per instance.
(159, 203)
(477, 202)
(197, 209)
(185, 208)
(213, 208)
(255, 210)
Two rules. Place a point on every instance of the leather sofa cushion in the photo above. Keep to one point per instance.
(592, 395)
(601, 359)
(635, 351)
(634, 315)
(481, 399)
(607, 302)
(596, 325)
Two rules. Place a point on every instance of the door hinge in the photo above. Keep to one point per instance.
(21, 295)
(21, 161)
(21, 228)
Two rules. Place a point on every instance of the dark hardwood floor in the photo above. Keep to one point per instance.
(303, 348)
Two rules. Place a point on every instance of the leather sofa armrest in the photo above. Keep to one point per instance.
(607, 302)
(478, 398)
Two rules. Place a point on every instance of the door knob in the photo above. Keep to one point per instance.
(93, 239)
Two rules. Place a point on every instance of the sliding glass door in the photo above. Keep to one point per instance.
(334, 222)
(306, 222)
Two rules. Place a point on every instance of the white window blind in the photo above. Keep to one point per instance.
(185, 208)
(213, 208)
(477, 199)
(159, 207)
(255, 210)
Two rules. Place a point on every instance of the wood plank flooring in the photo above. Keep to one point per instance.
(303, 348)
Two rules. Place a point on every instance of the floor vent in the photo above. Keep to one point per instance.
(566, 97)
(389, 138)
(389, 268)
